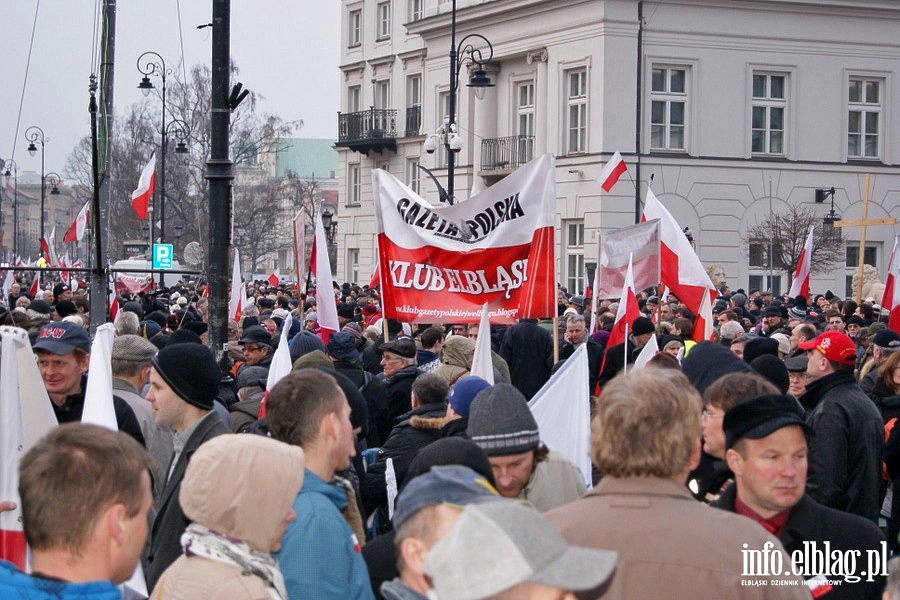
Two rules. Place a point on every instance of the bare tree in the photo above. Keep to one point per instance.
(137, 134)
(785, 234)
(260, 227)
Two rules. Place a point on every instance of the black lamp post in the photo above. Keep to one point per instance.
(35, 135)
(15, 175)
(829, 231)
(150, 63)
(465, 53)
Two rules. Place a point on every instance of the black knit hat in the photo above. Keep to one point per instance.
(759, 417)
(191, 371)
(501, 423)
(642, 325)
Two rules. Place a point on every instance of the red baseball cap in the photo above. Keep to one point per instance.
(836, 346)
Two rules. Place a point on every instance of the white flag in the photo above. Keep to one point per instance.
(650, 349)
(482, 365)
(562, 411)
(238, 299)
(281, 362)
(98, 395)
(326, 307)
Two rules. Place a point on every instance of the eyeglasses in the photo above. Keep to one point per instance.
(708, 415)
(249, 348)
(798, 376)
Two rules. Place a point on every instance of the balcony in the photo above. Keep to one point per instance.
(413, 120)
(367, 130)
(501, 156)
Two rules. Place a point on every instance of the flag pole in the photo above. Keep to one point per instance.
(625, 364)
(555, 339)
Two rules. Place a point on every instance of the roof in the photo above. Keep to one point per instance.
(306, 157)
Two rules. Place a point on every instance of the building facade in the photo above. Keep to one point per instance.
(733, 112)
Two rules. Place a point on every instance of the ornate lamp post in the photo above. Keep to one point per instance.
(35, 135)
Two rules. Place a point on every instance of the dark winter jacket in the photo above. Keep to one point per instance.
(399, 391)
(415, 430)
(846, 442)
(595, 356)
(528, 350)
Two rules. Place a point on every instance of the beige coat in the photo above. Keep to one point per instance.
(242, 486)
(670, 545)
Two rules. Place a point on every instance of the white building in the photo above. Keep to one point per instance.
(736, 108)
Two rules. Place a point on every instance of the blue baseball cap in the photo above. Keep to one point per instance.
(62, 337)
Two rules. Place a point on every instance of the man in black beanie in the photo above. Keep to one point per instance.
(184, 383)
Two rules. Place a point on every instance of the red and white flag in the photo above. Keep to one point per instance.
(375, 280)
(140, 198)
(890, 301)
(238, 299)
(627, 312)
(45, 252)
(273, 278)
(320, 265)
(76, 230)
(800, 283)
(680, 267)
(611, 172)
(441, 264)
(35, 285)
(25, 417)
(113, 305)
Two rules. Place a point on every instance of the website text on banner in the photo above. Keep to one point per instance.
(441, 264)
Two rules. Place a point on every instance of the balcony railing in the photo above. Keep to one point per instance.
(413, 120)
(373, 129)
(506, 153)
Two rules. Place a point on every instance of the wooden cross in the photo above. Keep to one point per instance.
(864, 223)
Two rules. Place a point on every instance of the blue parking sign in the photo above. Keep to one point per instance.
(162, 256)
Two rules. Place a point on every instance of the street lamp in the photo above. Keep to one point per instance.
(35, 135)
(829, 231)
(330, 226)
(463, 54)
(15, 175)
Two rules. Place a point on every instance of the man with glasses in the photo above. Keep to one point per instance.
(257, 347)
(400, 370)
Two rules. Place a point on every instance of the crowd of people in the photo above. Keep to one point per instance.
(381, 467)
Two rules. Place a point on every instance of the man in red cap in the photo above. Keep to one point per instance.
(846, 431)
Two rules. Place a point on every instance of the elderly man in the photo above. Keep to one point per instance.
(256, 344)
(846, 430)
(884, 344)
(398, 362)
(63, 355)
(85, 495)
(646, 438)
(799, 334)
(576, 335)
(772, 321)
(766, 446)
(502, 425)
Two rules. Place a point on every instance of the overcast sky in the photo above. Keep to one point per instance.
(286, 50)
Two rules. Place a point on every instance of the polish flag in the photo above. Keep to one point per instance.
(25, 417)
(238, 299)
(326, 308)
(205, 293)
(800, 284)
(76, 230)
(611, 172)
(628, 311)
(35, 285)
(375, 281)
(273, 279)
(113, 305)
(45, 252)
(140, 198)
(680, 268)
(890, 301)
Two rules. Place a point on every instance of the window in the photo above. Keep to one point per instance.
(668, 99)
(353, 191)
(525, 121)
(870, 256)
(413, 174)
(383, 93)
(767, 120)
(760, 282)
(353, 98)
(759, 254)
(413, 105)
(353, 264)
(576, 110)
(384, 20)
(416, 9)
(864, 103)
(355, 28)
(574, 253)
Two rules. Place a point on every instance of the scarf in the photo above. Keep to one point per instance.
(198, 540)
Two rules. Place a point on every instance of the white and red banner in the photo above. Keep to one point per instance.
(238, 299)
(800, 283)
(640, 242)
(611, 171)
(320, 265)
(25, 416)
(134, 283)
(75, 232)
(680, 267)
(890, 301)
(441, 264)
(140, 198)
